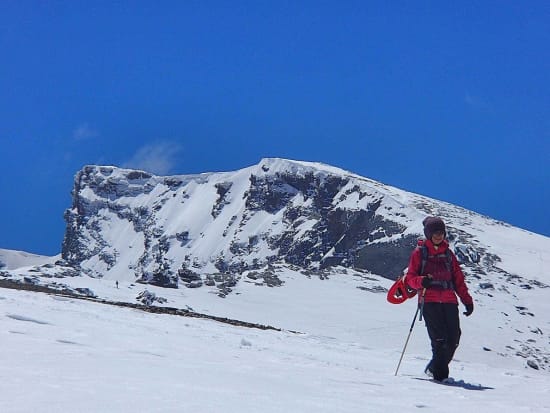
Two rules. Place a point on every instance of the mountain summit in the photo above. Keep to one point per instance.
(212, 228)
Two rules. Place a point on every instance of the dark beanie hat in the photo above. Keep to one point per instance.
(432, 225)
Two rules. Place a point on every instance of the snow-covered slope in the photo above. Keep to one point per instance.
(60, 354)
(10, 259)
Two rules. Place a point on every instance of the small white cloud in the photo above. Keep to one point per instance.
(157, 158)
(83, 132)
(476, 102)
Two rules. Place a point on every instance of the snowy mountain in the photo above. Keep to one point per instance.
(328, 242)
(196, 230)
(200, 229)
(10, 259)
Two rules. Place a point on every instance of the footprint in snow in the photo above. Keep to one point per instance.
(69, 342)
(23, 318)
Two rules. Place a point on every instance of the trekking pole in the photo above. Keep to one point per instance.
(419, 308)
(422, 304)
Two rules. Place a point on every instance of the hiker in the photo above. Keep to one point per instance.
(435, 272)
(117, 284)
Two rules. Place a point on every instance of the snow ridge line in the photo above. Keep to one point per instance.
(15, 285)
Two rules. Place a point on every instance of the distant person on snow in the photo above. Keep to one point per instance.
(435, 271)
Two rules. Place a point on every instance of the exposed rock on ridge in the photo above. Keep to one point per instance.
(307, 215)
(212, 229)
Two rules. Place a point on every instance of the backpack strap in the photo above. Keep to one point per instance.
(424, 252)
(446, 285)
(448, 262)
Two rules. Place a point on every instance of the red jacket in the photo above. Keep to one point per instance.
(437, 266)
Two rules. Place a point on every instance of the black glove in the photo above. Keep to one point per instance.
(426, 282)
(469, 309)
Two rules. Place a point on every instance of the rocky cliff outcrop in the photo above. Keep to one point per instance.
(214, 229)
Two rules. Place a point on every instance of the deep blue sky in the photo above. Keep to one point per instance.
(444, 98)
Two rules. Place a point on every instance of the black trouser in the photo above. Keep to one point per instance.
(443, 327)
